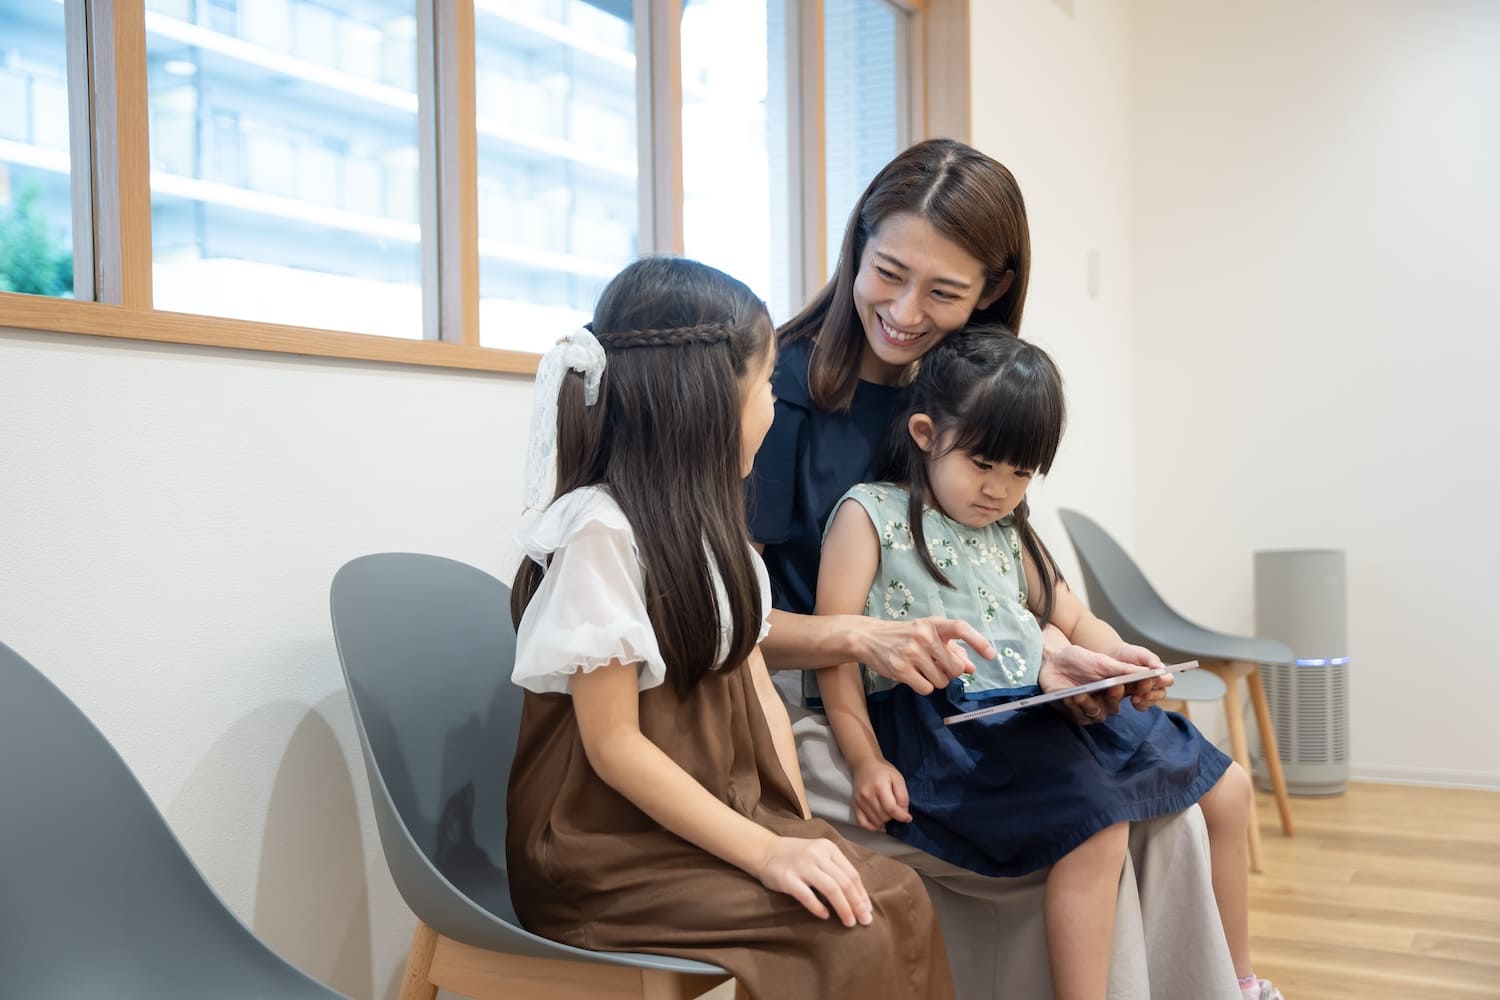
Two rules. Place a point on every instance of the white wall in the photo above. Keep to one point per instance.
(170, 520)
(1317, 256)
(1050, 104)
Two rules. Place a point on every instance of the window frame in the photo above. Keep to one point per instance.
(111, 167)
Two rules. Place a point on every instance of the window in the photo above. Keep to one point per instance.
(457, 178)
(864, 100)
(559, 210)
(734, 143)
(285, 174)
(36, 209)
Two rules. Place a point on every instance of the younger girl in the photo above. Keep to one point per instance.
(655, 803)
(1012, 793)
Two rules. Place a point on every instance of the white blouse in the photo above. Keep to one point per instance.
(591, 606)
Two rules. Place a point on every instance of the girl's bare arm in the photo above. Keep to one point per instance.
(606, 703)
(851, 558)
(780, 725)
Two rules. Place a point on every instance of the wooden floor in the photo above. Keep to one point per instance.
(1385, 892)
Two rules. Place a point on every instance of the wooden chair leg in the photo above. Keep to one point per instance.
(415, 984)
(1240, 747)
(1269, 747)
(658, 985)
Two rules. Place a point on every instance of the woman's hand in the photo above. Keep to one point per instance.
(924, 653)
(806, 869)
(879, 794)
(1073, 665)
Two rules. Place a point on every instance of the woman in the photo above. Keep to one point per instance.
(939, 239)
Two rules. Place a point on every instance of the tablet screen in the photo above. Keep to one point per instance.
(1041, 699)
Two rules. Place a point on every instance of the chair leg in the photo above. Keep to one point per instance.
(1240, 747)
(1269, 747)
(659, 985)
(415, 984)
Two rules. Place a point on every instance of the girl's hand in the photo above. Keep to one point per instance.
(806, 869)
(1144, 694)
(879, 794)
(923, 653)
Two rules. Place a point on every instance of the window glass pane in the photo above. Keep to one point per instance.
(864, 73)
(36, 211)
(559, 210)
(284, 163)
(734, 137)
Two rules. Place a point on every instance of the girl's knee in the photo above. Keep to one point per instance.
(1108, 844)
(1229, 800)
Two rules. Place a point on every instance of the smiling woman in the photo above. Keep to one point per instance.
(939, 237)
(939, 240)
(913, 287)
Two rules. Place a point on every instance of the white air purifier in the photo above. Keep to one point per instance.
(1300, 600)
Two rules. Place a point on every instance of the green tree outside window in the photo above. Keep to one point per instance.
(31, 260)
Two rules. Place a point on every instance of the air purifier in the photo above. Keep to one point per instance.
(1300, 600)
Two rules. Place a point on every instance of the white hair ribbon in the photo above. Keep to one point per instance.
(581, 352)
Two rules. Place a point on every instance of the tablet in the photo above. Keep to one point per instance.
(1100, 685)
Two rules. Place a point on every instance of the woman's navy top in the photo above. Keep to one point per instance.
(809, 459)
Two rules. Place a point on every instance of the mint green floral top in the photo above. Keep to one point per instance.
(989, 584)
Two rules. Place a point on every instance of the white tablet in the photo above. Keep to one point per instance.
(1100, 685)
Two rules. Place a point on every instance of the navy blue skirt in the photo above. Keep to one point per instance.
(1009, 794)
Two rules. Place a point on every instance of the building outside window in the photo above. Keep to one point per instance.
(864, 97)
(559, 204)
(285, 170)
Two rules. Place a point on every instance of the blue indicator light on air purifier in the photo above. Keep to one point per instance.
(1336, 661)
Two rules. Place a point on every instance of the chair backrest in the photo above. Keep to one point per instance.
(1119, 593)
(97, 897)
(427, 649)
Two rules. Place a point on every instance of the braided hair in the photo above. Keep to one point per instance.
(664, 441)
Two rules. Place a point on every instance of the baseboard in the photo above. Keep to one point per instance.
(1435, 777)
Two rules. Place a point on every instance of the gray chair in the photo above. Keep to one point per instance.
(1119, 593)
(97, 897)
(427, 646)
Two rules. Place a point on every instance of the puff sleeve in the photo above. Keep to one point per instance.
(591, 606)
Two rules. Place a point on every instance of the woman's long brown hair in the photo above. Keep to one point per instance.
(663, 439)
(967, 197)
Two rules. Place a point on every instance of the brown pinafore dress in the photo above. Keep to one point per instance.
(590, 869)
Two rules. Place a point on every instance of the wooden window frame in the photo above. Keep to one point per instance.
(108, 109)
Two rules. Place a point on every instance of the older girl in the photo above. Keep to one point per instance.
(655, 802)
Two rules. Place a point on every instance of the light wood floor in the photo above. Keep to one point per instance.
(1385, 892)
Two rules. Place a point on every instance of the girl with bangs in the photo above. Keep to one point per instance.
(946, 534)
(655, 803)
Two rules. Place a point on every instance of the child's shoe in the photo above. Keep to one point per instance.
(1262, 990)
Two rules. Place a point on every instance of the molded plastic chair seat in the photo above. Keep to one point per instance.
(1119, 593)
(427, 649)
(1195, 685)
(97, 897)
